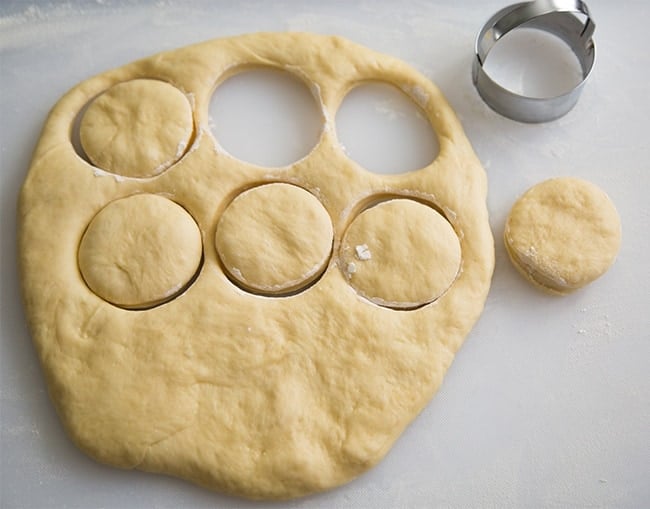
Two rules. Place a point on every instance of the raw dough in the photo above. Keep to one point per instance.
(396, 242)
(274, 238)
(140, 251)
(137, 128)
(563, 234)
(254, 395)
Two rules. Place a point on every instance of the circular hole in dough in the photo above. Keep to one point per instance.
(383, 130)
(266, 117)
(401, 254)
(274, 239)
(140, 251)
(137, 128)
(563, 234)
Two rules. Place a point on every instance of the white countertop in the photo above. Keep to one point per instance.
(548, 402)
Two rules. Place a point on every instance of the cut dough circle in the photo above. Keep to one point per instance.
(274, 239)
(138, 128)
(562, 234)
(140, 251)
(400, 253)
(254, 396)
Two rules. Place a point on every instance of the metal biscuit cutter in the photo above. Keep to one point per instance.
(557, 17)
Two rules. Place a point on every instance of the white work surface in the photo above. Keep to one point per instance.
(547, 403)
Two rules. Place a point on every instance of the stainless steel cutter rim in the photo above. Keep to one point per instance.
(552, 16)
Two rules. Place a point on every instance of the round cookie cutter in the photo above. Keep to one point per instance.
(557, 17)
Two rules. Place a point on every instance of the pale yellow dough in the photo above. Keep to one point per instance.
(563, 234)
(261, 396)
(274, 238)
(137, 128)
(140, 250)
(391, 245)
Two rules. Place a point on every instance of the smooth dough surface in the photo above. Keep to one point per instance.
(137, 128)
(562, 234)
(274, 238)
(140, 250)
(258, 396)
(396, 242)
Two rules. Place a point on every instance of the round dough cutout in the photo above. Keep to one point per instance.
(137, 128)
(274, 239)
(562, 234)
(140, 251)
(400, 254)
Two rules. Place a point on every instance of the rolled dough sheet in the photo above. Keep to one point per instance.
(256, 395)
